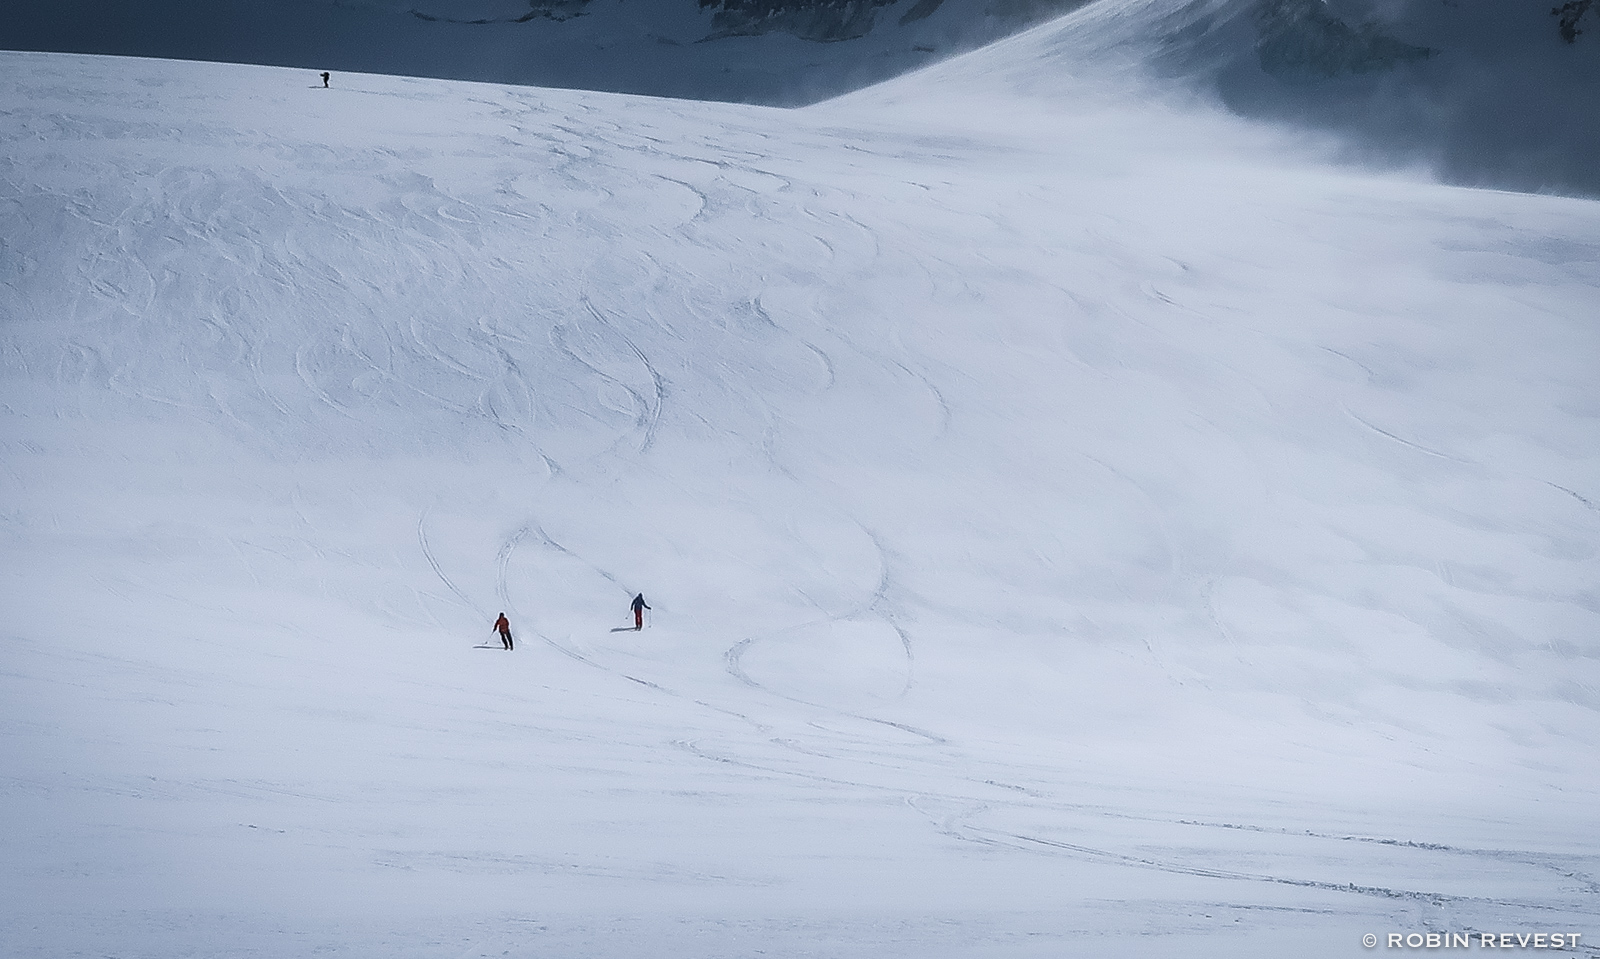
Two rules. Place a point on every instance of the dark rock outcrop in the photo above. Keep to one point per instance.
(820, 20)
(1300, 40)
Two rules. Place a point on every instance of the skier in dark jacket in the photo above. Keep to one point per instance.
(324, 79)
(503, 627)
(639, 606)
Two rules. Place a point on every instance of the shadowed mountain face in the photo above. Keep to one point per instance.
(821, 20)
(776, 52)
(1484, 92)
(1302, 41)
(557, 10)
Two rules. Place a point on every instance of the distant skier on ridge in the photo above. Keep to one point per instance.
(503, 627)
(639, 606)
(324, 79)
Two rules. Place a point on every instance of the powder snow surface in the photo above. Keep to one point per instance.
(1075, 525)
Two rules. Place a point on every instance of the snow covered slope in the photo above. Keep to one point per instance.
(1073, 526)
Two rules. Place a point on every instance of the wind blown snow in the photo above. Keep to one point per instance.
(1074, 525)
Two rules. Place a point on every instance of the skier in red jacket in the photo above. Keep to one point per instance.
(503, 627)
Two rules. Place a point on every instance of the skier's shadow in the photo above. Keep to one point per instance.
(624, 629)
